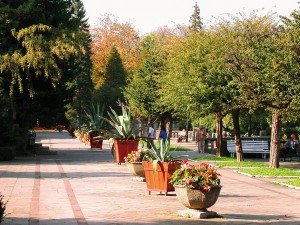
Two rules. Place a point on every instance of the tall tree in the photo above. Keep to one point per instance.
(265, 63)
(37, 37)
(80, 88)
(195, 20)
(110, 33)
(114, 81)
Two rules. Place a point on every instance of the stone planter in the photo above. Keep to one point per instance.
(195, 198)
(160, 180)
(136, 169)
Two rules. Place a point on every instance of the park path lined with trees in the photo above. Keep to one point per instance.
(240, 70)
(80, 186)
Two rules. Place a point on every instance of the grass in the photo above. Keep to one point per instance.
(293, 182)
(240, 164)
(215, 159)
(180, 149)
(271, 172)
(230, 162)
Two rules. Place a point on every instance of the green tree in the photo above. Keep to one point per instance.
(195, 20)
(141, 90)
(37, 40)
(114, 81)
(80, 88)
(264, 63)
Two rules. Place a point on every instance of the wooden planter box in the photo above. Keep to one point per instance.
(94, 142)
(159, 180)
(123, 148)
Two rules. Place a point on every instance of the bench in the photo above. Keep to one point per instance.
(260, 147)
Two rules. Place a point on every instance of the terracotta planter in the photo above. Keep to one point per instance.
(195, 198)
(159, 180)
(95, 143)
(123, 148)
(136, 169)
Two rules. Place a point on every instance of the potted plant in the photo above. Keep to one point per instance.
(134, 162)
(159, 170)
(196, 186)
(97, 123)
(123, 134)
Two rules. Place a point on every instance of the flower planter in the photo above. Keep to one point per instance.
(136, 168)
(195, 198)
(159, 180)
(123, 148)
(95, 143)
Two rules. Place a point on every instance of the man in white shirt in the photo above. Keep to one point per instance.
(151, 137)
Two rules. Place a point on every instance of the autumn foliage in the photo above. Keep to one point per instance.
(110, 33)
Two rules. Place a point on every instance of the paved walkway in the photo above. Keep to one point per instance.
(79, 186)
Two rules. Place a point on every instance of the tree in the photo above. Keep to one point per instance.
(37, 37)
(80, 88)
(195, 20)
(199, 82)
(110, 33)
(114, 81)
(264, 63)
(143, 92)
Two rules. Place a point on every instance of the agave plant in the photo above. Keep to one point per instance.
(95, 114)
(124, 127)
(163, 153)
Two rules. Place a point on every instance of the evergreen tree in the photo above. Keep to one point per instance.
(195, 20)
(80, 88)
(44, 54)
(114, 81)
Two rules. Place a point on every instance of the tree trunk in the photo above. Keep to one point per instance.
(275, 140)
(219, 134)
(237, 135)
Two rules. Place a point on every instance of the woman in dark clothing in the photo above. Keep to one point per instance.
(163, 133)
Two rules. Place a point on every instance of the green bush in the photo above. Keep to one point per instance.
(7, 153)
(2, 208)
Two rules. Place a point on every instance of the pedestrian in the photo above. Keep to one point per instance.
(150, 142)
(163, 133)
(201, 136)
(290, 147)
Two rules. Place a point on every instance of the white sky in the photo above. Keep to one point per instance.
(148, 15)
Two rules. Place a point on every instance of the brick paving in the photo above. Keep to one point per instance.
(80, 186)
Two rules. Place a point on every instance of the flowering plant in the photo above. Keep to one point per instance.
(136, 156)
(203, 176)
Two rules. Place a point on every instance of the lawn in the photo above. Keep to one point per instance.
(271, 172)
(293, 182)
(230, 162)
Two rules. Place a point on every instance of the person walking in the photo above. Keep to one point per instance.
(150, 142)
(290, 147)
(201, 136)
(163, 133)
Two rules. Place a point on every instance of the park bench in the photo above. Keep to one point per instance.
(255, 147)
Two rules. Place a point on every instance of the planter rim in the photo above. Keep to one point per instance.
(126, 139)
(182, 186)
(133, 162)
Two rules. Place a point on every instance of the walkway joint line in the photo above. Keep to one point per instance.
(34, 207)
(74, 203)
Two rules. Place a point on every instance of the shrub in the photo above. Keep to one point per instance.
(2, 208)
(7, 153)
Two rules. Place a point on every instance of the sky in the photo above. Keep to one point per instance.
(148, 15)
